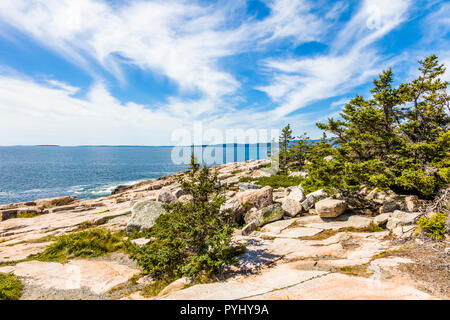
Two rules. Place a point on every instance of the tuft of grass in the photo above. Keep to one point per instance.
(358, 270)
(372, 227)
(86, 244)
(325, 234)
(275, 181)
(237, 171)
(27, 215)
(10, 287)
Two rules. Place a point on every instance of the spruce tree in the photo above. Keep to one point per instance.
(285, 138)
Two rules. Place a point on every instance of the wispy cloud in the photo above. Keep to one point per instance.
(351, 60)
(187, 42)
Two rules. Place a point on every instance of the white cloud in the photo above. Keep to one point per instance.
(350, 63)
(38, 114)
(181, 40)
(185, 41)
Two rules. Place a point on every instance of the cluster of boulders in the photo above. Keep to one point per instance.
(253, 205)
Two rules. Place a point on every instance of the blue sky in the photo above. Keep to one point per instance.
(133, 72)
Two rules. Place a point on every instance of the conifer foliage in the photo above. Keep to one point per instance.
(194, 238)
(398, 139)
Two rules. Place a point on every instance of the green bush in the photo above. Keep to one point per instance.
(434, 227)
(91, 243)
(194, 239)
(398, 139)
(10, 287)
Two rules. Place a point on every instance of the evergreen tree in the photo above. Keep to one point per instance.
(285, 138)
(398, 139)
(298, 152)
(195, 237)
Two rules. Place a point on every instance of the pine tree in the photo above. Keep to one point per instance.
(398, 139)
(298, 152)
(195, 237)
(285, 138)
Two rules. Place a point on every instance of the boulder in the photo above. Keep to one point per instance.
(393, 223)
(8, 214)
(258, 198)
(381, 219)
(144, 215)
(244, 186)
(330, 208)
(165, 196)
(155, 186)
(358, 222)
(120, 189)
(379, 196)
(250, 215)
(312, 198)
(269, 214)
(389, 206)
(249, 228)
(234, 208)
(179, 192)
(412, 203)
(297, 194)
(405, 217)
(291, 206)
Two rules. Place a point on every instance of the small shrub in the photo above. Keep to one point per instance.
(434, 227)
(92, 243)
(10, 287)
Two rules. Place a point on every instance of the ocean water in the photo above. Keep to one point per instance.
(33, 172)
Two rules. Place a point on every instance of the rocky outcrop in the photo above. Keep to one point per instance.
(259, 198)
(165, 196)
(233, 208)
(262, 217)
(52, 202)
(312, 198)
(244, 186)
(330, 208)
(291, 251)
(144, 215)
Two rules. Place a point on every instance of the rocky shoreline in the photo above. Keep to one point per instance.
(299, 246)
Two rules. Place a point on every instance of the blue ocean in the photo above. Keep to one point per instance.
(33, 172)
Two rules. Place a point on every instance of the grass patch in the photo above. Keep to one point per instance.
(325, 234)
(10, 287)
(358, 270)
(275, 181)
(27, 215)
(391, 253)
(237, 171)
(86, 244)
